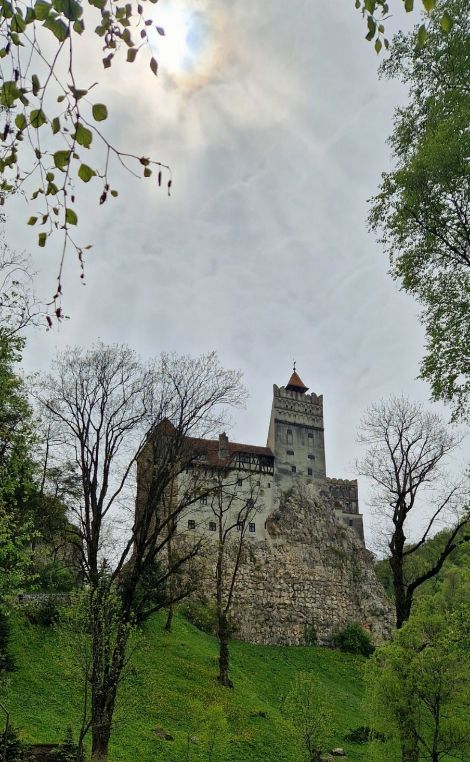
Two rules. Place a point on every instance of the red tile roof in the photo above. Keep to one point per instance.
(211, 448)
(296, 384)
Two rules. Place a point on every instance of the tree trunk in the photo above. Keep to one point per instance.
(224, 656)
(169, 619)
(402, 602)
(100, 741)
(408, 738)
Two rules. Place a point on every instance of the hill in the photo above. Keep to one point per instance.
(171, 687)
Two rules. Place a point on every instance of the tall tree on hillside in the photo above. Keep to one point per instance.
(422, 212)
(116, 411)
(234, 502)
(407, 449)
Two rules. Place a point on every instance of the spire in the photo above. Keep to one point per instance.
(296, 384)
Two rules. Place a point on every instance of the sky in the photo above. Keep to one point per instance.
(274, 122)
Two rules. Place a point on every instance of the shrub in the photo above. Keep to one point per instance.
(67, 751)
(310, 635)
(354, 639)
(14, 747)
(201, 615)
(45, 612)
(7, 663)
(364, 734)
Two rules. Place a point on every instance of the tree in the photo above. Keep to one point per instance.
(422, 211)
(50, 117)
(306, 705)
(419, 686)
(232, 507)
(116, 411)
(407, 448)
(376, 12)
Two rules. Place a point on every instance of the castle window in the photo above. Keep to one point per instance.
(350, 522)
(203, 499)
(294, 469)
(289, 436)
(311, 457)
(310, 434)
(191, 524)
(310, 471)
(240, 525)
(212, 526)
(269, 484)
(239, 482)
(290, 452)
(252, 526)
(258, 484)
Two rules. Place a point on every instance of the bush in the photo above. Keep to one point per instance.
(363, 734)
(14, 747)
(67, 751)
(201, 615)
(310, 635)
(7, 663)
(45, 612)
(353, 639)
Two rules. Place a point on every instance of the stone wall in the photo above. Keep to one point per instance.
(312, 571)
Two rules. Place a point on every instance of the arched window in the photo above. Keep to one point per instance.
(289, 436)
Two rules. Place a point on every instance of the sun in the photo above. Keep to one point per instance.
(183, 38)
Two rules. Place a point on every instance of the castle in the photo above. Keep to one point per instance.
(305, 566)
(294, 456)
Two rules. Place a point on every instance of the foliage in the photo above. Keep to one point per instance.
(202, 615)
(171, 685)
(310, 634)
(44, 612)
(419, 685)
(68, 751)
(50, 118)
(308, 708)
(421, 213)
(363, 734)
(7, 663)
(14, 746)
(376, 13)
(353, 639)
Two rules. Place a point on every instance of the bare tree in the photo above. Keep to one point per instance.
(407, 450)
(18, 305)
(234, 503)
(115, 412)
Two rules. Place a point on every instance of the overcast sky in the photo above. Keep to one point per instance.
(275, 128)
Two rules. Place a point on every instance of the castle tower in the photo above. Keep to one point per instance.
(296, 434)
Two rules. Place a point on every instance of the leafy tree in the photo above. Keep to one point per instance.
(422, 212)
(50, 118)
(307, 706)
(419, 687)
(407, 448)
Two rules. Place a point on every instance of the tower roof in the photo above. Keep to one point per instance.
(296, 384)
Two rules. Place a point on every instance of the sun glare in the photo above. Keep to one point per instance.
(188, 43)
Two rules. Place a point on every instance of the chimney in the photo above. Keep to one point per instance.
(223, 446)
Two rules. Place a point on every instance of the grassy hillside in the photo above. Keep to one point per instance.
(172, 686)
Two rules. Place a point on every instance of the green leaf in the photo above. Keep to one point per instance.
(78, 26)
(99, 111)
(85, 173)
(20, 121)
(422, 35)
(55, 125)
(100, 4)
(83, 135)
(378, 46)
(35, 84)
(61, 159)
(429, 4)
(147, 172)
(132, 55)
(446, 22)
(154, 66)
(409, 5)
(18, 24)
(71, 9)
(8, 94)
(42, 237)
(114, 193)
(32, 220)
(372, 27)
(41, 9)
(37, 118)
(58, 28)
(70, 216)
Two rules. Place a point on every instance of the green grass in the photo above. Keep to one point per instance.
(172, 686)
